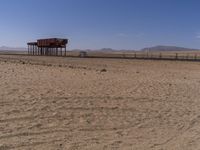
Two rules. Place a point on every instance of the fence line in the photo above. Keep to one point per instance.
(134, 55)
(140, 55)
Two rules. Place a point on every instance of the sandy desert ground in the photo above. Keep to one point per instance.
(49, 103)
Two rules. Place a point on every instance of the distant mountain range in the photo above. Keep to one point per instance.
(167, 48)
(103, 50)
(155, 48)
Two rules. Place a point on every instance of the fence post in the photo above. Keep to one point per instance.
(160, 55)
(176, 55)
(124, 55)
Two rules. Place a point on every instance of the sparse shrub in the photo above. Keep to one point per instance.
(103, 70)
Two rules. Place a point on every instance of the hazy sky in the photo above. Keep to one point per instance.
(119, 24)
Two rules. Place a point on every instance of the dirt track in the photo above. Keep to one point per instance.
(71, 103)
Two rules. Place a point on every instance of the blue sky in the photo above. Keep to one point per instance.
(94, 24)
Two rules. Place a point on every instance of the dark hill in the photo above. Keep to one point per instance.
(167, 48)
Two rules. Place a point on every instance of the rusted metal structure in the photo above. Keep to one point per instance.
(48, 47)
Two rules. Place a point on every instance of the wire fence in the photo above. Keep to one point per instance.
(186, 56)
(195, 56)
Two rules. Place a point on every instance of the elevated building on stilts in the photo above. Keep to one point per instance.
(48, 47)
